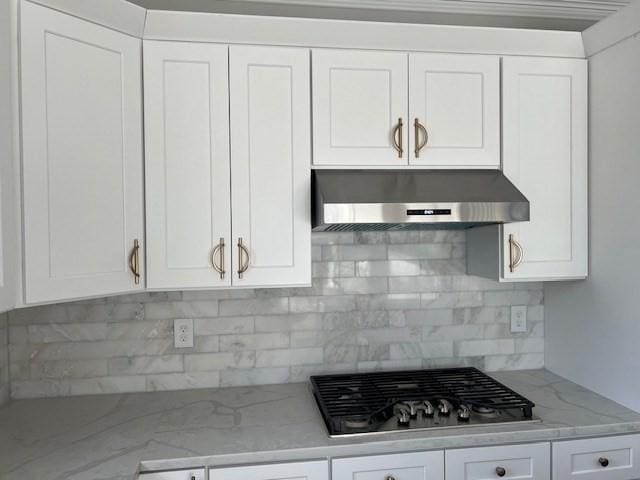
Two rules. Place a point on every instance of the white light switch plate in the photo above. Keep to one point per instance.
(183, 333)
(519, 319)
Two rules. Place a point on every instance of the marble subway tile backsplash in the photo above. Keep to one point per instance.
(4, 360)
(381, 300)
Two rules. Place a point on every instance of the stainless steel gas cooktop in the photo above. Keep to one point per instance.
(366, 403)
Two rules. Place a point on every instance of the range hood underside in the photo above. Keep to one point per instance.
(355, 200)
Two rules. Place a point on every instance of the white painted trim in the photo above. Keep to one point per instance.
(119, 15)
(306, 32)
(612, 30)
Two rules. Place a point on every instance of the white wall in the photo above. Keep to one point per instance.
(593, 327)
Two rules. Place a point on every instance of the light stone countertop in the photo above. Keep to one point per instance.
(110, 437)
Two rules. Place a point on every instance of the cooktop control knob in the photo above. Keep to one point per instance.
(444, 407)
(404, 417)
(464, 412)
(428, 409)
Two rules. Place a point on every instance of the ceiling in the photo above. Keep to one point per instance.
(546, 14)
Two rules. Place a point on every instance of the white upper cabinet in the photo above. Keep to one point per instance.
(360, 108)
(544, 135)
(270, 165)
(454, 110)
(545, 156)
(82, 157)
(9, 253)
(188, 198)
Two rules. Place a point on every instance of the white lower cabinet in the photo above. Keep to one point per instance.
(531, 461)
(610, 458)
(403, 466)
(316, 470)
(195, 474)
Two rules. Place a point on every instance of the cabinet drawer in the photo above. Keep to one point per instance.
(318, 470)
(610, 458)
(510, 462)
(194, 474)
(404, 466)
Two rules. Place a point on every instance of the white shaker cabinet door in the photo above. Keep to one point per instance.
(270, 166)
(454, 105)
(508, 462)
(314, 470)
(607, 458)
(9, 224)
(188, 198)
(359, 108)
(82, 157)
(545, 156)
(401, 466)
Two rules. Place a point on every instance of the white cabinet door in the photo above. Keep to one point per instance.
(195, 474)
(454, 110)
(82, 156)
(359, 99)
(402, 466)
(611, 458)
(318, 470)
(270, 168)
(545, 156)
(522, 462)
(9, 254)
(188, 198)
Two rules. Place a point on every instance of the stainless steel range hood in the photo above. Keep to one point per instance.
(413, 199)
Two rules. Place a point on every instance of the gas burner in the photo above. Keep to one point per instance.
(422, 399)
(356, 423)
(487, 412)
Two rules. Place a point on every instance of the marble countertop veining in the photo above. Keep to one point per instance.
(110, 437)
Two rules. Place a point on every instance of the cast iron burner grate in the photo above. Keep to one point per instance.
(356, 403)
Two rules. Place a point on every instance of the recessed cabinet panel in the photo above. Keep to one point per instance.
(318, 470)
(9, 225)
(402, 466)
(82, 157)
(187, 165)
(523, 462)
(270, 169)
(612, 458)
(545, 156)
(454, 104)
(195, 474)
(359, 99)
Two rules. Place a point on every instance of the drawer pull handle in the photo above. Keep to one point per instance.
(389, 477)
(604, 462)
(501, 472)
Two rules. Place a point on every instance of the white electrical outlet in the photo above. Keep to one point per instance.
(183, 333)
(519, 319)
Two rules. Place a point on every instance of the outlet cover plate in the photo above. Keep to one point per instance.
(183, 333)
(519, 319)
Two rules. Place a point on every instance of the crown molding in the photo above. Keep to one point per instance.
(613, 30)
(566, 9)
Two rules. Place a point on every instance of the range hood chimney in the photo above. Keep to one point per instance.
(344, 200)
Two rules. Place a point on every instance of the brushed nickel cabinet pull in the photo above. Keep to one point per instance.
(396, 137)
(134, 261)
(219, 250)
(515, 253)
(242, 250)
(419, 128)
